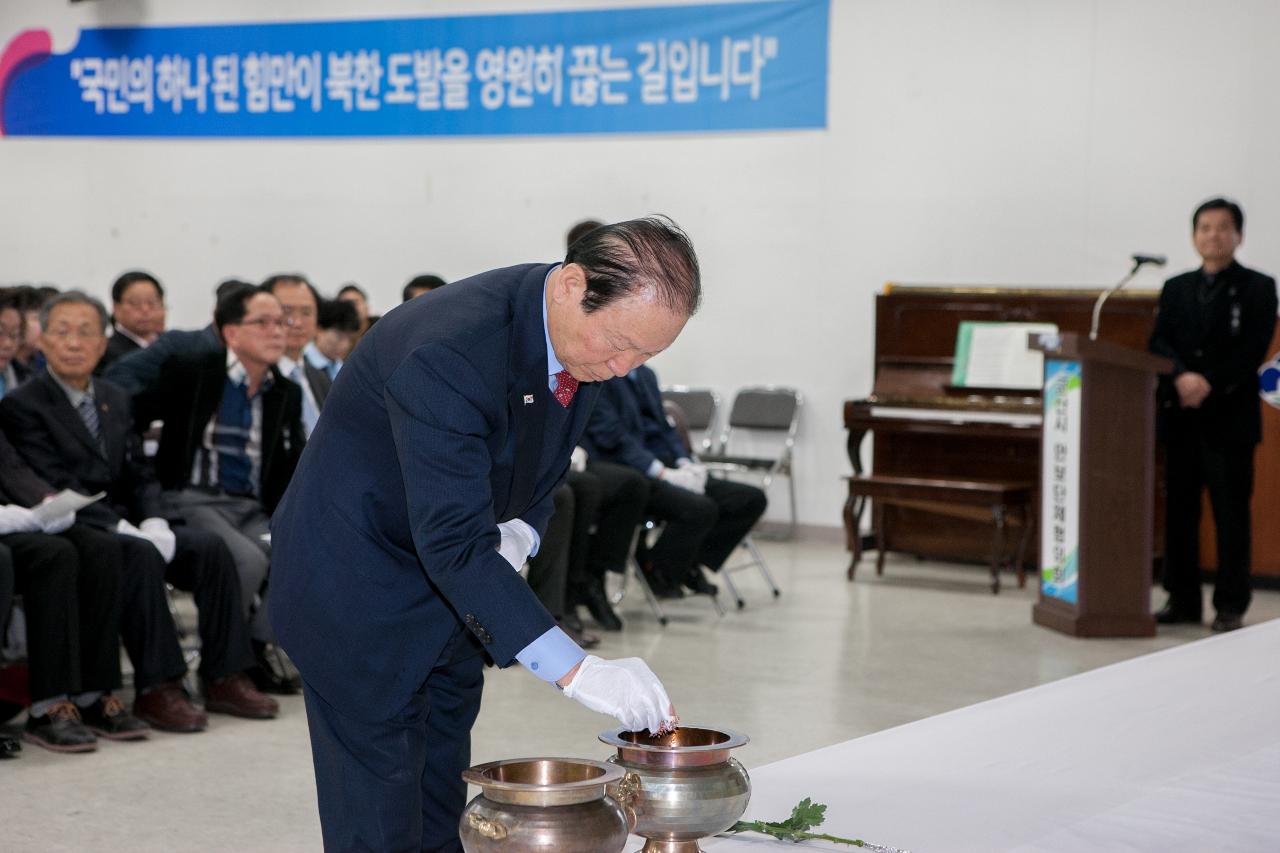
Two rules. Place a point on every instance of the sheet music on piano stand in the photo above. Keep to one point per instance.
(996, 355)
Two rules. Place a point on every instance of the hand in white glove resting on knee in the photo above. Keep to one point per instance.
(626, 689)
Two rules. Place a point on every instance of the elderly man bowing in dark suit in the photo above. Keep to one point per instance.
(426, 483)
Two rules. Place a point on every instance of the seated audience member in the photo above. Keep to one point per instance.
(357, 297)
(231, 439)
(609, 504)
(76, 432)
(140, 370)
(549, 569)
(28, 300)
(137, 315)
(12, 371)
(72, 603)
(421, 284)
(301, 305)
(338, 329)
(704, 519)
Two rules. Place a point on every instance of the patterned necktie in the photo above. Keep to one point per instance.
(566, 387)
(89, 414)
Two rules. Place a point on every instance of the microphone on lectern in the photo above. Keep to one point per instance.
(1139, 261)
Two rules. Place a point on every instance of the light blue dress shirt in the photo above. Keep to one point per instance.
(553, 654)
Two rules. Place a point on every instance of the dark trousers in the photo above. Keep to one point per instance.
(609, 502)
(43, 570)
(700, 529)
(549, 569)
(397, 785)
(203, 566)
(1194, 461)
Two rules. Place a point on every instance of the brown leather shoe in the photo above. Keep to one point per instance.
(168, 709)
(237, 696)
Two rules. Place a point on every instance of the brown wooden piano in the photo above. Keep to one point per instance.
(925, 428)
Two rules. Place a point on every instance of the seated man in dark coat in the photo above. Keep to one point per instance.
(705, 519)
(231, 439)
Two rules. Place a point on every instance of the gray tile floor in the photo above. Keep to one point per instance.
(826, 662)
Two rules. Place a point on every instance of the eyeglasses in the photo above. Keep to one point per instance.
(67, 334)
(291, 311)
(264, 322)
(10, 334)
(141, 304)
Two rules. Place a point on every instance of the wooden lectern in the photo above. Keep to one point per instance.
(1096, 489)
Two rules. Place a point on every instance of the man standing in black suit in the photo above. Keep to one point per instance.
(1215, 324)
(76, 432)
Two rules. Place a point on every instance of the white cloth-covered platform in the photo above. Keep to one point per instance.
(1175, 751)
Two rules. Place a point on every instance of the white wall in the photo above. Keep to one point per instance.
(993, 141)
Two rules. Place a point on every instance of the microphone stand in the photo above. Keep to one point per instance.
(1102, 299)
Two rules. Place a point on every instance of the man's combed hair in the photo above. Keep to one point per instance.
(130, 278)
(74, 297)
(338, 314)
(234, 304)
(1237, 215)
(581, 230)
(649, 256)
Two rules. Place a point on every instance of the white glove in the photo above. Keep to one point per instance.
(578, 460)
(625, 689)
(517, 542)
(684, 478)
(157, 530)
(686, 464)
(154, 536)
(59, 524)
(17, 519)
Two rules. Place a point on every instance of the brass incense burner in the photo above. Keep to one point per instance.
(543, 805)
(681, 786)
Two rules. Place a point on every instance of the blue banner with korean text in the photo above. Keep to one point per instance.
(732, 66)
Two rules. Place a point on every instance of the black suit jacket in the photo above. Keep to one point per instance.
(18, 483)
(187, 395)
(440, 426)
(118, 346)
(48, 432)
(1224, 339)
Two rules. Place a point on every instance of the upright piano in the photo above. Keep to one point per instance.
(925, 428)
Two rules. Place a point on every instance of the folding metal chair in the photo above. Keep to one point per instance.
(759, 437)
(700, 408)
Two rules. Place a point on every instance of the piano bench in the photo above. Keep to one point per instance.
(1003, 504)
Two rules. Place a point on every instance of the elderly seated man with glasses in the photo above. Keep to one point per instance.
(231, 439)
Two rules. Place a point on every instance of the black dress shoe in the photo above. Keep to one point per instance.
(1172, 614)
(60, 730)
(109, 718)
(662, 587)
(597, 603)
(9, 747)
(271, 673)
(1225, 621)
(697, 582)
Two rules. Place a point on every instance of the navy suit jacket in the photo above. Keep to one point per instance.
(385, 542)
(629, 425)
(50, 435)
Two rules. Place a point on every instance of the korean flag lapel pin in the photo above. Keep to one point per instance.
(528, 399)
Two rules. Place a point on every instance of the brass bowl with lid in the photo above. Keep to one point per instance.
(681, 786)
(543, 805)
